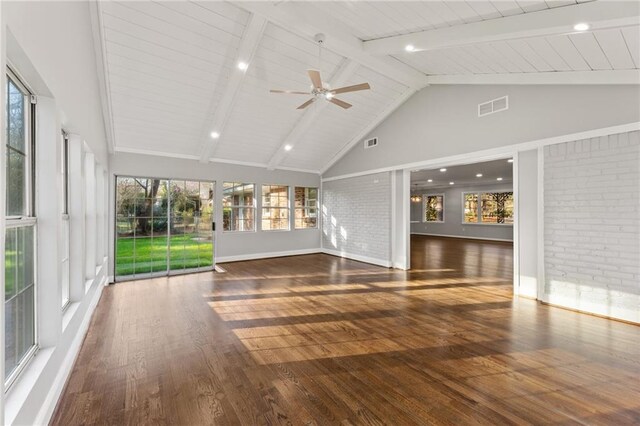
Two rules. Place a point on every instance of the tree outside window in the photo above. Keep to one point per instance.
(434, 208)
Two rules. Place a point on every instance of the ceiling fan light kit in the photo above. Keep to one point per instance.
(323, 90)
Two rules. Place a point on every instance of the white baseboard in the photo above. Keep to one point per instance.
(256, 256)
(463, 237)
(359, 258)
(51, 401)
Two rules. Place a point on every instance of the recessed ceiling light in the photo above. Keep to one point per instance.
(451, 183)
(582, 26)
(430, 180)
(510, 160)
(215, 135)
(499, 179)
(288, 147)
(443, 169)
(479, 175)
(409, 48)
(243, 66)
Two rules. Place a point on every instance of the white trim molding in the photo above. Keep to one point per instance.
(463, 237)
(357, 257)
(494, 153)
(268, 255)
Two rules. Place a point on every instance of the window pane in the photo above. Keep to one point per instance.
(497, 207)
(237, 194)
(65, 174)
(245, 218)
(471, 208)
(434, 208)
(10, 326)
(10, 263)
(306, 200)
(25, 258)
(16, 183)
(16, 114)
(275, 214)
(19, 300)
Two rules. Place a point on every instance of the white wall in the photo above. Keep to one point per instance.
(592, 225)
(453, 207)
(526, 231)
(356, 218)
(441, 121)
(229, 245)
(439, 127)
(49, 44)
(57, 39)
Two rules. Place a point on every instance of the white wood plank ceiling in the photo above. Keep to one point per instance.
(171, 75)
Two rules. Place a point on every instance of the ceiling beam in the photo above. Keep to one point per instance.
(340, 78)
(557, 77)
(598, 14)
(307, 19)
(365, 131)
(99, 44)
(221, 111)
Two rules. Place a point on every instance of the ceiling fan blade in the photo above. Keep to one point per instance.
(314, 75)
(289, 92)
(354, 88)
(340, 103)
(306, 104)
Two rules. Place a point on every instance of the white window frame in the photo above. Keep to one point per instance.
(27, 220)
(240, 206)
(479, 208)
(425, 200)
(288, 208)
(306, 207)
(65, 277)
(477, 194)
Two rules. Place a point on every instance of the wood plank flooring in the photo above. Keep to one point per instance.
(321, 340)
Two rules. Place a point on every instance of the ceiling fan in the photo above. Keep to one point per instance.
(320, 90)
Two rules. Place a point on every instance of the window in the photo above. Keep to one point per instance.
(238, 206)
(65, 270)
(470, 208)
(488, 208)
(434, 208)
(306, 207)
(497, 207)
(19, 254)
(275, 207)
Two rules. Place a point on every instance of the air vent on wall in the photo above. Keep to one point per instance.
(495, 105)
(370, 143)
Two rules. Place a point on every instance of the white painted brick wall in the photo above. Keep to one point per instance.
(592, 225)
(356, 216)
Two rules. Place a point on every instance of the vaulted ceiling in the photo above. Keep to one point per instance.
(171, 78)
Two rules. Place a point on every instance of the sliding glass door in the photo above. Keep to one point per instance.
(163, 227)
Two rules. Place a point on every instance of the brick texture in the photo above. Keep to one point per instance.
(356, 216)
(592, 225)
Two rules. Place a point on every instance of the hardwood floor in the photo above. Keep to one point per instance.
(321, 340)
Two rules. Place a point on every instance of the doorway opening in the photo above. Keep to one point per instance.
(462, 222)
(163, 227)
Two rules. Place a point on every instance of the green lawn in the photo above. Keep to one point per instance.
(145, 254)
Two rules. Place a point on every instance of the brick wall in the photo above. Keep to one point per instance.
(356, 217)
(592, 225)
